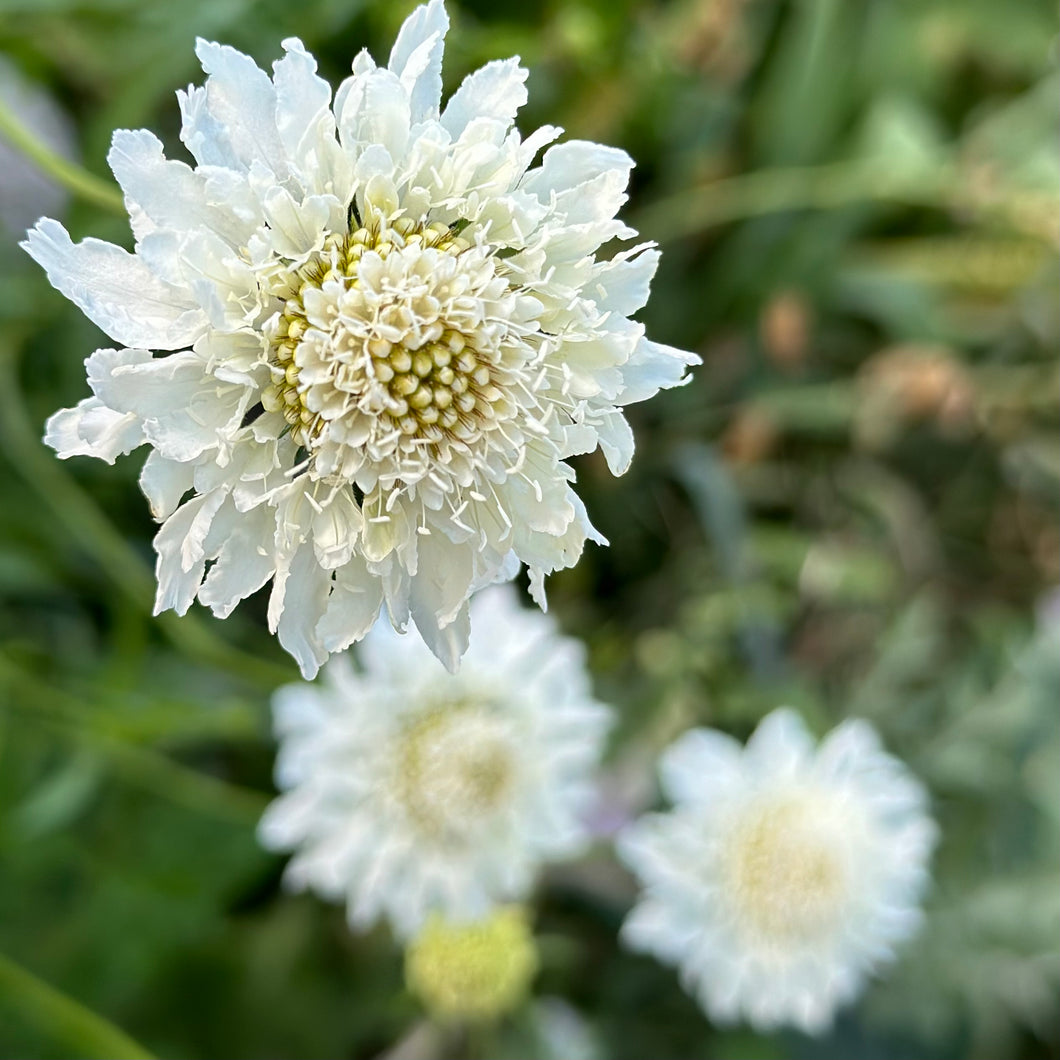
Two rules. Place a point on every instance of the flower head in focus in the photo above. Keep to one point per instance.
(408, 790)
(473, 971)
(390, 330)
(785, 873)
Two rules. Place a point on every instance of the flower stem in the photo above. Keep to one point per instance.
(693, 210)
(70, 175)
(77, 1028)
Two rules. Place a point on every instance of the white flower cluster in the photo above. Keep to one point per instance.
(784, 874)
(362, 336)
(411, 791)
(391, 332)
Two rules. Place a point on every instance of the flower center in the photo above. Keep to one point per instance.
(385, 340)
(783, 873)
(454, 769)
(473, 971)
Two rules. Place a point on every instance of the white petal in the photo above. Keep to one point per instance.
(167, 194)
(573, 163)
(352, 607)
(335, 531)
(594, 200)
(416, 57)
(376, 111)
(653, 367)
(571, 243)
(243, 564)
(529, 147)
(182, 406)
(301, 96)
(92, 429)
(698, 764)
(442, 580)
(544, 554)
(222, 281)
(781, 744)
(164, 483)
(623, 283)
(181, 553)
(496, 90)
(447, 643)
(616, 442)
(115, 290)
(303, 593)
(651, 928)
(438, 597)
(851, 746)
(231, 121)
(297, 228)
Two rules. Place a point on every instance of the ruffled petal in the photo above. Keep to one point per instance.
(92, 429)
(297, 604)
(160, 193)
(353, 606)
(183, 407)
(376, 111)
(575, 163)
(164, 483)
(180, 545)
(231, 120)
(115, 290)
(302, 97)
(652, 367)
(496, 90)
(243, 564)
(416, 58)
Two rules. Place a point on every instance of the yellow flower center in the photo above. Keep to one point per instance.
(454, 769)
(783, 873)
(475, 971)
(427, 383)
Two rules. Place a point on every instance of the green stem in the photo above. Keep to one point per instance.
(140, 765)
(77, 1028)
(122, 564)
(82, 183)
(825, 187)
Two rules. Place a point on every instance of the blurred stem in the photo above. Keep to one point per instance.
(826, 187)
(123, 565)
(139, 765)
(79, 181)
(61, 1018)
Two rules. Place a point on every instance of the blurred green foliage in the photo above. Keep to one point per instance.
(853, 508)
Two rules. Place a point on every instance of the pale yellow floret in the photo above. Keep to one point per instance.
(473, 972)
(435, 389)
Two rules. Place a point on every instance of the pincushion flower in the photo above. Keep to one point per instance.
(784, 874)
(362, 336)
(473, 972)
(408, 790)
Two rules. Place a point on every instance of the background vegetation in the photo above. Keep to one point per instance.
(852, 508)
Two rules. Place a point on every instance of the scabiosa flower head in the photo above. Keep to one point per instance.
(391, 331)
(784, 873)
(409, 790)
(473, 971)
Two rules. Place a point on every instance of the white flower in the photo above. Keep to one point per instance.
(392, 331)
(410, 790)
(784, 874)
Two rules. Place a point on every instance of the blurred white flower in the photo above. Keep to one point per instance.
(392, 328)
(785, 872)
(410, 790)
